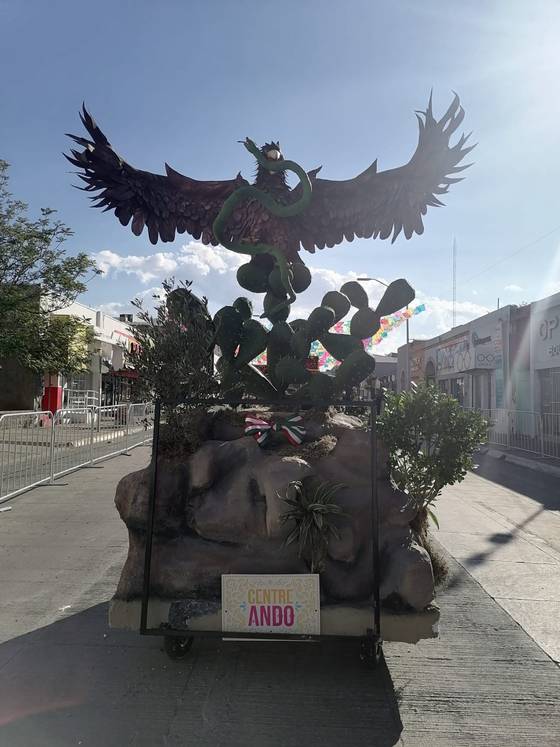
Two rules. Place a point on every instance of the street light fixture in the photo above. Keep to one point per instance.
(407, 362)
(375, 280)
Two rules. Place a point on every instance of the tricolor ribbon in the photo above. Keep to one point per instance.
(261, 429)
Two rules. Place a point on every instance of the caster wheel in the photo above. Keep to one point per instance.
(177, 648)
(371, 652)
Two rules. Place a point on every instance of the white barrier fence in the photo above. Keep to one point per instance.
(533, 432)
(38, 447)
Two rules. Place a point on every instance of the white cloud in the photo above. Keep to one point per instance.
(149, 298)
(206, 259)
(113, 308)
(513, 287)
(150, 267)
(212, 270)
(201, 258)
(551, 287)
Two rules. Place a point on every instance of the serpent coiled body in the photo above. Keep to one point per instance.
(276, 208)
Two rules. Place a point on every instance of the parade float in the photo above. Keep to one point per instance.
(268, 508)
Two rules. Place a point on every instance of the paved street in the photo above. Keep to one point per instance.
(66, 679)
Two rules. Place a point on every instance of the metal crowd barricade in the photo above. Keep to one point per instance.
(38, 447)
(109, 433)
(25, 451)
(73, 430)
(140, 423)
(523, 430)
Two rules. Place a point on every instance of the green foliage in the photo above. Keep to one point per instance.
(311, 509)
(431, 440)
(36, 278)
(63, 345)
(174, 359)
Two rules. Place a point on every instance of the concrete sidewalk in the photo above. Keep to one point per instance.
(503, 525)
(66, 679)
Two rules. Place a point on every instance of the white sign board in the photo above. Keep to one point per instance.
(545, 334)
(271, 604)
(486, 341)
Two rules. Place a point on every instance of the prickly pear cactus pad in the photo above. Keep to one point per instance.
(240, 339)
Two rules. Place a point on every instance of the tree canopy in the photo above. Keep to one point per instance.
(37, 277)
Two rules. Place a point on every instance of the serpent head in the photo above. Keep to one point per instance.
(269, 156)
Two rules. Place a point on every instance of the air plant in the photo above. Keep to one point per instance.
(311, 509)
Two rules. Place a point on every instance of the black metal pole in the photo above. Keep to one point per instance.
(150, 526)
(375, 521)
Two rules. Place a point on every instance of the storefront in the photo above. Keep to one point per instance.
(468, 362)
(452, 360)
(119, 387)
(487, 363)
(545, 354)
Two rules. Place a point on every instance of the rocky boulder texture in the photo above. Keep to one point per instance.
(219, 509)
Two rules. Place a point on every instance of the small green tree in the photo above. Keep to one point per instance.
(174, 361)
(62, 345)
(37, 277)
(431, 440)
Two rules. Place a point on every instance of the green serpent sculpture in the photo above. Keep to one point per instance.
(276, 208)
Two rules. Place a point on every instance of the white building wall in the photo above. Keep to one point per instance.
(111, 338)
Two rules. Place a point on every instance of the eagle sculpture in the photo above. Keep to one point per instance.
(373, 204)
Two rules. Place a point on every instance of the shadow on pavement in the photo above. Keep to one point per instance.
(539, 486)
(77, 682)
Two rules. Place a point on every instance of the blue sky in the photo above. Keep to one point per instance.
(337, 84)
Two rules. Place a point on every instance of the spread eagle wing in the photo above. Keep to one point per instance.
(165, 204)
(380, 203)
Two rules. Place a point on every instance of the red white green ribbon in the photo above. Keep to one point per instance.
(261, 429)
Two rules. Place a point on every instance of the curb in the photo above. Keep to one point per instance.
(526, 462)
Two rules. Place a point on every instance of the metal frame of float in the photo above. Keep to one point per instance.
(178, 641)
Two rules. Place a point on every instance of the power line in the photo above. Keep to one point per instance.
(511, 254)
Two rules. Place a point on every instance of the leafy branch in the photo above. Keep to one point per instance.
(431, 440)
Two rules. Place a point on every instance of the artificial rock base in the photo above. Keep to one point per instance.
(219, 511)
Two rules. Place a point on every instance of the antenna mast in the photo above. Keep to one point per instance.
(454, 281)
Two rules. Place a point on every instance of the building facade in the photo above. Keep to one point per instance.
(469, 362)
(544, 355)
(109, 380)
(507, 359)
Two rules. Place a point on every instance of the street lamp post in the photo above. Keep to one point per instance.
(407, 359)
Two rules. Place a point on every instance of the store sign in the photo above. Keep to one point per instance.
(486, 343)
(271, 604)
(454, 357)
(546, 337)
(417, 364)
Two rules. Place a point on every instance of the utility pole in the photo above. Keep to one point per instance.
(407, 360)
(454, 281)
(407, 357)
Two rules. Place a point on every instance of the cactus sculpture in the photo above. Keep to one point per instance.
(241, 339)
